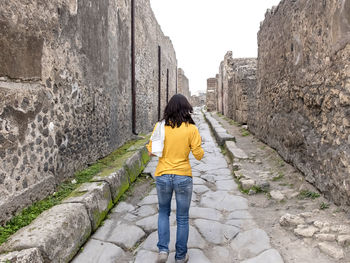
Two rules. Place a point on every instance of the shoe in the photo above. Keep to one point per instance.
(184, 260)
(162, 257)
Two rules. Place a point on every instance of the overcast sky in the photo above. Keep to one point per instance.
(203, 30)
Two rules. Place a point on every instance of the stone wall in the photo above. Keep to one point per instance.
(183, 84)
(211, 98)
(150, 40)
(65, 88)
(237, 80)
(304, 90)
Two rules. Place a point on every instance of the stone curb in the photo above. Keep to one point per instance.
(58, 233)
(220, 133)
(234, 151)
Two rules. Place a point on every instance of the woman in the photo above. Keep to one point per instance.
(174, 173)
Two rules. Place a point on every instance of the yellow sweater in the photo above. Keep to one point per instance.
(178, 143)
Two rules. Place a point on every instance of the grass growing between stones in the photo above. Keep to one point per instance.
(27, 215)
(308, 194)
(245, 132)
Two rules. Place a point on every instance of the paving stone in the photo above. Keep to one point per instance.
(269, 256)
(196, 255)
(145, 210)
(250, 243)
(240, 214)
(224, 171)
(197, 180)
(208, 177)
(150, 224)
(194, 241)
(205, 213)
(149, 200)
(96, 251)
(227, 185)
(332, 250)
(123, 207)
(130, 217)
(58, 232)
(243, 224)
(31, 255)
(200, 189)
(215, 232)
(224, 201)
(144, 256)
(153, 192)
(236, 152)
(220, 254)
(214, 165)
(123, 235)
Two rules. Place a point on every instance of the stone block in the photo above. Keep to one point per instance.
(96, 251)
(235, 152)
(268, 256)
(118, 182)
(134, 166)
(332, 250)
(250, 243)
(291, 220)
(31, 255)
(96, 197)
(58, 233)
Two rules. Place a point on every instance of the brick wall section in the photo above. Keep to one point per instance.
(303, 90)
(211, 98)
(65, 89)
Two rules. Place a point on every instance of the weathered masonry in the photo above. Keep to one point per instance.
(236, 82)
(77, 79)
(183, 84)
(304, 90)
(300, 104)
(212, 87)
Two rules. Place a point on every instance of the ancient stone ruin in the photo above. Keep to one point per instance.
(297, 98)
(183, 84)
(77, 80)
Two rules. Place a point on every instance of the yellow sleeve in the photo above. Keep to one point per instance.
(149, 145)
(196, 142)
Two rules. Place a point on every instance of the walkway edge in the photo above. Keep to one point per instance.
(220, 133)
(58, 233)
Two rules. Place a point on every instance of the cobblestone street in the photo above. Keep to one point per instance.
(221, 228)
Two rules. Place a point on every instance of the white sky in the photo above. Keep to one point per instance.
(203, 30)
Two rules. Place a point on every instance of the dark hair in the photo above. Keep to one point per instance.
(178, 111)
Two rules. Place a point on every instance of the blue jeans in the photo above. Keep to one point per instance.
(182, 185)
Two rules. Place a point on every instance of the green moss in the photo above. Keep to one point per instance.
(103, 167)
(77, 193)
(125, 185)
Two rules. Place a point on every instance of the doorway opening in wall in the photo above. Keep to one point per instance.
(159, 78)
(167, 86)
(133, 82)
